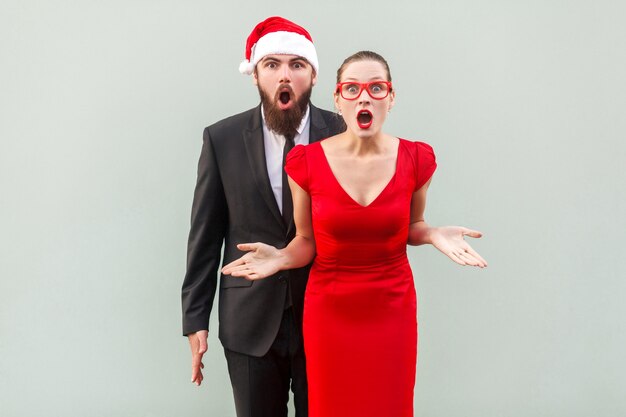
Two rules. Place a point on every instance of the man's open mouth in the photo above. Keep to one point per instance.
(285, 98)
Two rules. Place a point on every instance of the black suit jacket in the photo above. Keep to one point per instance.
(233, 203)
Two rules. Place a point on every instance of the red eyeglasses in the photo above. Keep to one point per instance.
(351, 90)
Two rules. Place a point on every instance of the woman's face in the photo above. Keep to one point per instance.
(365, 115)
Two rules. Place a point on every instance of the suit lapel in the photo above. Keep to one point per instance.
(319, 129)
(255, 148)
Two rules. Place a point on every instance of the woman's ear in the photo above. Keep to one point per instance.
(392, 100)
(336, 98)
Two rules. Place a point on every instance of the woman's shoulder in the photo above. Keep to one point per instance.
(421, 155)
(298, 161)
(416, 146)
(302, 151)
(298, 152)
(422, 159)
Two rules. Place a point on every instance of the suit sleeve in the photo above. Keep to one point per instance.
(209, 218)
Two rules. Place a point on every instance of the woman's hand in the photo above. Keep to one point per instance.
(260, 262)
(449, 240)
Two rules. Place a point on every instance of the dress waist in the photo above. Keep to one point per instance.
(360, 263)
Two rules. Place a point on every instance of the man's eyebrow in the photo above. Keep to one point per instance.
(291, 60)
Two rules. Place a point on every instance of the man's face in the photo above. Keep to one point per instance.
(284, 83)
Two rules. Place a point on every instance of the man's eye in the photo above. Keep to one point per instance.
(271, 65)
(298, 65)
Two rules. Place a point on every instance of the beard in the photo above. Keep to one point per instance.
(284, 122)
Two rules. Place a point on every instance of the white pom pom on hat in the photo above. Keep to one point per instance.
(277, 35)
(246, 67)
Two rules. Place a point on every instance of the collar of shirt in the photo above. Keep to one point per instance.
(302, 138)
(274, 143)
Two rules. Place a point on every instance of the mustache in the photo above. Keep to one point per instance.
(284, 122)
(283, 88)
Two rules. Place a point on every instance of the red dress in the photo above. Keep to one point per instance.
(360, 308)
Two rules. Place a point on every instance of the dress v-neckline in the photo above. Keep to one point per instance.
(332, 174)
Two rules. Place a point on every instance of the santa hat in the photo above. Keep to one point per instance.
(276, 35)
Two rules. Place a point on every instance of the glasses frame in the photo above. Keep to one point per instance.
(364, 87)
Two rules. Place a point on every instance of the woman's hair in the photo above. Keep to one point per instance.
(363, 56)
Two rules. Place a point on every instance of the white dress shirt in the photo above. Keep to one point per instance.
(274, 144)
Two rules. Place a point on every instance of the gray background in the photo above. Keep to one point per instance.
(102, 107)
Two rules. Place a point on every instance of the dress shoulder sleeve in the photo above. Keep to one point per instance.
(425, 163)
(297, 168)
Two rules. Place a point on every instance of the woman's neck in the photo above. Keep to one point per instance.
(373, 145)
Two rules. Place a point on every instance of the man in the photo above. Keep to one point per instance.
(242, 196)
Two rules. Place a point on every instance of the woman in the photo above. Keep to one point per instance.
(359, 199)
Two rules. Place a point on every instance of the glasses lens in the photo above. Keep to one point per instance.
(378, 89)
(350, 91)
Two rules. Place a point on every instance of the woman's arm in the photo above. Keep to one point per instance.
(264, 260)
(447, 239)
(419, 231)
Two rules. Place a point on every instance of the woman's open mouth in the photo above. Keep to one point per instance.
(364, 119)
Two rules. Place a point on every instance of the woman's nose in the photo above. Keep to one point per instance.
(364, 97)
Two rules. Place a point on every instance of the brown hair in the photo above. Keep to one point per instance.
(363, 56)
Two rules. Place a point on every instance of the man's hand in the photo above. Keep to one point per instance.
(198, 345)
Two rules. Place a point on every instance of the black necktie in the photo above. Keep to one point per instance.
(287, 203)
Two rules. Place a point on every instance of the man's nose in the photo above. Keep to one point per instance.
(285, 74)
